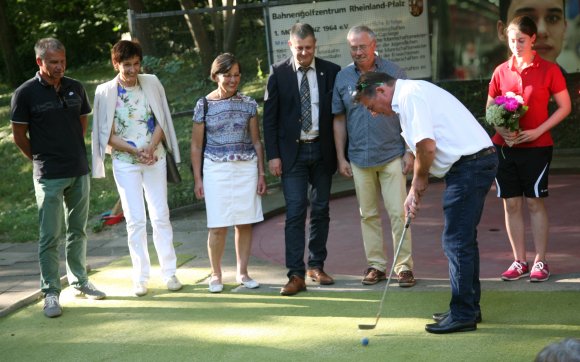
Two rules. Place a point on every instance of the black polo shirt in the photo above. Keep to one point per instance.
(54, 127)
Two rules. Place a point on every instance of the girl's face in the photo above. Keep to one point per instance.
(228, 82)
(519, 43)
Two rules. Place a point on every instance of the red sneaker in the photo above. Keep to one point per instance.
(516, 271)
(540, 272)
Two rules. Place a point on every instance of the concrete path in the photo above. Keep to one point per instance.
(19, 272)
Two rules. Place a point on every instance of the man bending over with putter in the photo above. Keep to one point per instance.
(448, 143)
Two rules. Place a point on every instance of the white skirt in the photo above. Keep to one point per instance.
(231, 196)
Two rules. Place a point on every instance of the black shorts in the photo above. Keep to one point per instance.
(523, 171)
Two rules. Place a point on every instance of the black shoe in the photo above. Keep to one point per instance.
(449, 326)
(438, 317)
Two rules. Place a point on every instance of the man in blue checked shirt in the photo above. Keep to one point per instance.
(376, 159)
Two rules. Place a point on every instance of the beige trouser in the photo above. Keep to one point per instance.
(391, 183)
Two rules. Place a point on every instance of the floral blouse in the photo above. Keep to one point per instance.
(227, 128)
(134, 122)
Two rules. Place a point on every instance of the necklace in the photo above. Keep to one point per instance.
(216, 96)
(126, 86)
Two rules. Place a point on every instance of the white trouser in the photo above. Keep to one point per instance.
(132, 182)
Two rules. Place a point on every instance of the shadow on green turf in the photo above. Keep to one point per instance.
(192, 324)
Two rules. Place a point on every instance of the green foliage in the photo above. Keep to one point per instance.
(259, 74)
(184, 83)
(17, 201)
(182, 78)
(87, 28)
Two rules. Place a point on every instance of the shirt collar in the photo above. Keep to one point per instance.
(377, 58)
(535, 61)
(42, 81)
(312, 65)
(63, 81)
(395, 100)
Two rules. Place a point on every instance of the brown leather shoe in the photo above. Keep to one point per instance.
(406, 279)
(295, 285)
(373, 276)
(318, 275)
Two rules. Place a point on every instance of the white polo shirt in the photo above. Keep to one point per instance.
(427, 111)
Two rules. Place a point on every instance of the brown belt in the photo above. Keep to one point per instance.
(312, 140)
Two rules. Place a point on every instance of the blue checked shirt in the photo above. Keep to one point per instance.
(372, 141)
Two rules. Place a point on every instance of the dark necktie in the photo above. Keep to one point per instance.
(305, 105)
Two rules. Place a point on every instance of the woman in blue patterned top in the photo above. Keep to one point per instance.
(233, 168)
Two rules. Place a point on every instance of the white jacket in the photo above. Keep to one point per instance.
(104, 113)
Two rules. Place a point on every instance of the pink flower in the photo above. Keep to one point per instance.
(506, 111)
(511, 104)
(500, 100)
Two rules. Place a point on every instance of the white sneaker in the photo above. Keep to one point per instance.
(173, 284)
(140, 289)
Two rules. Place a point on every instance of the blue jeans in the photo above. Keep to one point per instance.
(466, 186)
(62, 200)
(307, 170)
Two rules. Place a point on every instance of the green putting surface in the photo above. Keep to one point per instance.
(192, 324)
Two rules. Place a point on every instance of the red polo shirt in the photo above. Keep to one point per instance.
(535, 84)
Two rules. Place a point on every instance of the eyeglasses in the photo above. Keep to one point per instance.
(230, 75)
(362, 48)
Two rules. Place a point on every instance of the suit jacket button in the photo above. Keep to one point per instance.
(298, 141)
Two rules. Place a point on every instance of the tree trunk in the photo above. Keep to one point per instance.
(233, 22)
(141, 30)
(204, 47)
(218, 25)
(7, 40)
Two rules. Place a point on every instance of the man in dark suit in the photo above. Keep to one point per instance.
(300, 148)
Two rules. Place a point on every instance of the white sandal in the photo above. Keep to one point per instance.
(215, 285)
(250, 283)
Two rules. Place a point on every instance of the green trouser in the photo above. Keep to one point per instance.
(68, 197)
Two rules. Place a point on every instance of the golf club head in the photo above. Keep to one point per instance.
(366, 326)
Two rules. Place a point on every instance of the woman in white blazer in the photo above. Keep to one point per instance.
(131, 118)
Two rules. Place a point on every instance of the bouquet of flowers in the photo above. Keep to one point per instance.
(506, 111)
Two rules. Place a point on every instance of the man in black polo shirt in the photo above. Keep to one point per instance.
(49, 115)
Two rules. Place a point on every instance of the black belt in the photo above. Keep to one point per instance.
(312, 140)
(473, 156)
